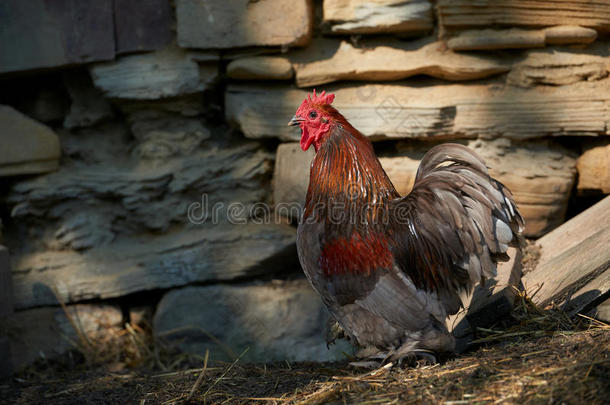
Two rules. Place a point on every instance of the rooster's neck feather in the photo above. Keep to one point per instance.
(346, 171)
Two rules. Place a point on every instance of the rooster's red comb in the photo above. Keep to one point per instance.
(322, 98)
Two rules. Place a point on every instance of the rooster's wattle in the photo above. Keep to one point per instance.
(389, 268)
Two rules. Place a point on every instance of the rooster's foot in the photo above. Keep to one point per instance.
(334, 332)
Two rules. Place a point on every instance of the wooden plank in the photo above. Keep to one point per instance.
(575, 231)
(588, 296)
(38, 34)
(143, 25)
(574, 261)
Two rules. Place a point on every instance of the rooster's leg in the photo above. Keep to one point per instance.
(334, 331)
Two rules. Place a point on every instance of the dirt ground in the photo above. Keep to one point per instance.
(525, 365)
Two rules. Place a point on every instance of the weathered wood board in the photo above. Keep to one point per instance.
(574, 261)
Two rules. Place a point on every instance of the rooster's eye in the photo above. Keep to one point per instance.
(313, 114)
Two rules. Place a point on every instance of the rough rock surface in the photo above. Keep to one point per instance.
(146, 262)
(260, 67)
(573, 269)
(27, 146)
(45, 333)
(594, 167)
(291, 178)
(114, 217)
(6, 284)
(243, 23)
(379, 63)
(277, 321)
(456, 14)
(451, 110)
(146, 196)
(539, 174)
(488, 39)
(562, 66)
(378, 16)
(36, 35)
(166, 73)
(143, 25)
(88, 106)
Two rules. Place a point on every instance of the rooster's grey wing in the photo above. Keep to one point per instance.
(454, 226)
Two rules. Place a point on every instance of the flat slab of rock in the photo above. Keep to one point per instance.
(291, 178)
(559, 67)
(457, 14)
(394, 111)
(260, 67)
(378, 16)
(569, 34)
(515, 38)
(220, 252)
(277, 321)
(37, 35)
(172, 174)
(222, 24)
(382, 63)
(28, 146)
(45, 333)
(539, 174)
(594, 167)
(166, 73)
(574, 261)
(143, 25)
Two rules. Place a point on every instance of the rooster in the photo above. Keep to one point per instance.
(390, 268)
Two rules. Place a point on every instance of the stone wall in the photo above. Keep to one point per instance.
(122, 124)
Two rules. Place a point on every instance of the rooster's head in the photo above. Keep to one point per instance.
(315, 117)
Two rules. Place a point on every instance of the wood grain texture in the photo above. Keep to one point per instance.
(574, 260)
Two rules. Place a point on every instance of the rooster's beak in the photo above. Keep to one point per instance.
(296, 120)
